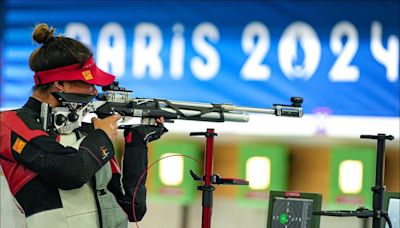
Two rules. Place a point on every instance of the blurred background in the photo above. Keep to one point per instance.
(342, 57)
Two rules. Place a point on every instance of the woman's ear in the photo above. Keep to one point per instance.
(59, 85)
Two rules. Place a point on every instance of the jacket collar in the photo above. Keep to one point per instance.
(34, 105)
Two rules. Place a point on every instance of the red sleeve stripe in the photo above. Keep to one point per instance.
(114, 166)
(128, 138)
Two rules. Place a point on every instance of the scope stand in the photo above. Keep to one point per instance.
(378, 190)
(209, 178)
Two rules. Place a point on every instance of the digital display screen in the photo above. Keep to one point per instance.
(394, 212)
(292, 213)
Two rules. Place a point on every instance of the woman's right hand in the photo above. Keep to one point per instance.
(108, 125)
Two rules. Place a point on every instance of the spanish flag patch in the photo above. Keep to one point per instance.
(19, 145)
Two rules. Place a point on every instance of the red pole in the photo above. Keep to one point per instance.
(208, 172)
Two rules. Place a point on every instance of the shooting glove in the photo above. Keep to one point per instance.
(135, 162)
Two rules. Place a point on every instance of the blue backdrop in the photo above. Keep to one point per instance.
(339, 56)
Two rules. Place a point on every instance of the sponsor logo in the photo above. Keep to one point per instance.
(87, 75)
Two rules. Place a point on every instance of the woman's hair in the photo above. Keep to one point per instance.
(56, 51)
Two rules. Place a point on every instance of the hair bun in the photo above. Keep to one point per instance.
(42, 33)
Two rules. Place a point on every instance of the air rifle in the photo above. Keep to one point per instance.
(115, 99)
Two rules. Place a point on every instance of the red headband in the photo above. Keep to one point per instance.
(88, 72)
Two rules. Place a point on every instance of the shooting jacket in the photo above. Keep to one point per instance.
(71, 180)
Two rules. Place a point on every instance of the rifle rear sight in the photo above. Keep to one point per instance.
(114, 93)
(115, 87)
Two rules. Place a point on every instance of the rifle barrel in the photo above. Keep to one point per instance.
(227, 116)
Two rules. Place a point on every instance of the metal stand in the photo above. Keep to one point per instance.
(378, 190)
(209, 178)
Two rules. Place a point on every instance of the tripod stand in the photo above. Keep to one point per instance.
(378, 190)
